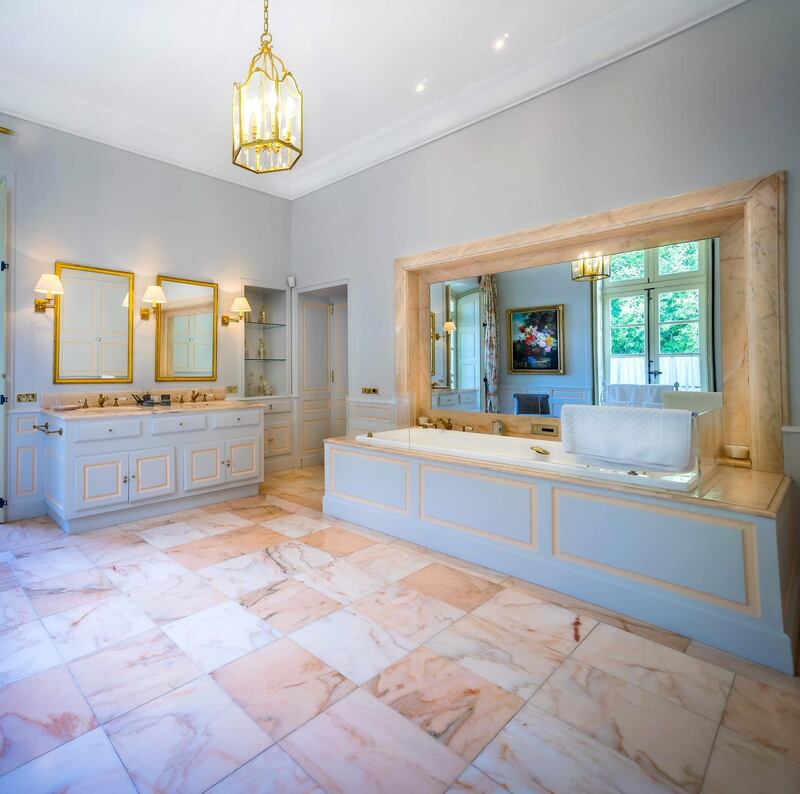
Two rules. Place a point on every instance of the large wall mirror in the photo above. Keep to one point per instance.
(186, 330)
(93, 325)
(528, 341)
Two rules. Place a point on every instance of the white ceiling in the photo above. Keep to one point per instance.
(155, 76)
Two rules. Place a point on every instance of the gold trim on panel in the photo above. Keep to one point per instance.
(175, 280)
(752, 604)
(165, 456)
(532, 545)
(405, 510)
(101, 465)
(34, 479)
(218, 452)
(61, 266)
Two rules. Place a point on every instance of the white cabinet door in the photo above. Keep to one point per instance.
(243, 459)
(203, 465)
(152, 473)
(277, 437)
(101, 480)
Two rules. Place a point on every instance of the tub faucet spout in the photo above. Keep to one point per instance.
(447, 424)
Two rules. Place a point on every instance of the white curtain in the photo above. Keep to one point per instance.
(491, 342)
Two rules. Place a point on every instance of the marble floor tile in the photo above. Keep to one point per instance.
(357, 647)
(387, 563)
(219, 634)
(186, 740)
(217, 523)
(176, 597)
(455, 706)
(24, 534)
(258, 515)
(233, 543)
(528, 615)
(662, 737)
(33, 566)
(337, 541)
(282, 686)
(15, 609)
(691, 683)
(24, 651)
(85, 765)
(295, 557)
(169, 535)
(108, 550)
(272, 772)
(751, 670)
(361, 745)
(739, 766)
(289, 605)
(72, 590)
(147, 569)
(408, 612)
(284, 504)
(467, 567)
(538, 753)
(342, 581)
(766, 715)
(7, 578)
(459, 589)
(40, 713)
(518, 663)
(294, 526)
(473, 781)
(132, 672)
(241, 575)
(88, 628)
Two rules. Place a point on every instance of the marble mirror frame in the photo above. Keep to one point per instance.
(748, 218)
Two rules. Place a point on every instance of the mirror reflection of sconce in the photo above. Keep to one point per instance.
(239, 306)
(447, 327)
(154, 295)
(49, 284)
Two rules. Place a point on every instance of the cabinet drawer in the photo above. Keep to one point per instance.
(277, 406)
(467, 397)
(448, 399)
(178, 424)
(236, 418)
(99, 431)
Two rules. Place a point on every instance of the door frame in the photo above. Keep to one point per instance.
(7, 249)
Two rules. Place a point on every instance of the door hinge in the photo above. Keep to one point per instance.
(331, 305)
(332, 376)
(3, 502)
(4, 266)
(3, 399)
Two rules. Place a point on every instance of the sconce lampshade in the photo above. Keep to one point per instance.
(49, 284)
(240, 306)
(449, 326)
(154, 294)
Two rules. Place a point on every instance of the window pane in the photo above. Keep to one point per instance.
(679, 338)
(678, 258)
(627, 341)
(625, 267)
(679, 305)
(627, 310)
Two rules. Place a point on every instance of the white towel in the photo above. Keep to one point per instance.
(660, 439)
(650, 395)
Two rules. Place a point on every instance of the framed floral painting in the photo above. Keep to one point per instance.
(536, 340)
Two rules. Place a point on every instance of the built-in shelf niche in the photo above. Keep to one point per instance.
(274, 365)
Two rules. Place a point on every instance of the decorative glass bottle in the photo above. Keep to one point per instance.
(261, 351)
(262, 315)
(262, 386)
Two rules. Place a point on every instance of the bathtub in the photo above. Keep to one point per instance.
(519, 452)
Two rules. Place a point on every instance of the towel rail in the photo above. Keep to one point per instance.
(45, 428)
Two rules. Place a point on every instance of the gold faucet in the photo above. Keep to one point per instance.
(447, 424)
(195, 395)
(101, 400)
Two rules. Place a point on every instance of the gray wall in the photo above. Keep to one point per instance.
(714, 104)
(84, 202)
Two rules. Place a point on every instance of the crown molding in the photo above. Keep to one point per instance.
(631, 28)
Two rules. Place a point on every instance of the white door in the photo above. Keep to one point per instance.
(152, 473)
(101, 480)
(203, 465)
(468, 344)
(4, 256)
(339, 375)
(242, 460)
(315, 378)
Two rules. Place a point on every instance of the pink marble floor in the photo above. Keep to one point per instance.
(262, 646)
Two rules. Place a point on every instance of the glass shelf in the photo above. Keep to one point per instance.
(265, 359)
(265, 325)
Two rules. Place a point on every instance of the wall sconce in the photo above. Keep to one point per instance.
(49, 284)
(154, 295)
(448, 327)
(591, 268)
(240, 306)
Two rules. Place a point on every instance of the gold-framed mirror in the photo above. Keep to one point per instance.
(186, 330)
(93, 325)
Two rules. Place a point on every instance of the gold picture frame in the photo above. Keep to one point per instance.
(60, 268)
(528, 351)
(434, 337)
(172, 378)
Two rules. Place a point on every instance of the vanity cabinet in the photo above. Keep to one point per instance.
(109, 467)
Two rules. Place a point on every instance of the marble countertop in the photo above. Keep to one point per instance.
(123, 411)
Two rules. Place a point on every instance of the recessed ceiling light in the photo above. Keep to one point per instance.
(421, 85)
(501, 42)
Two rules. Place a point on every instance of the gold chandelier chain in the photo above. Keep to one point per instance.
(266, 36)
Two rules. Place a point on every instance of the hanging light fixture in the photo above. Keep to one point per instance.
(591, 268)
(267, 112)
